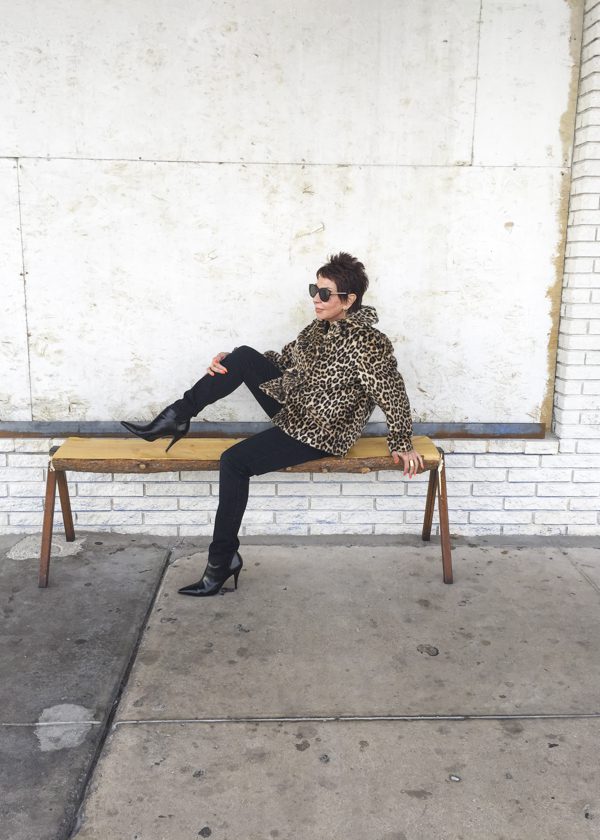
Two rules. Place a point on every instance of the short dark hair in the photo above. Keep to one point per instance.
(348, 274)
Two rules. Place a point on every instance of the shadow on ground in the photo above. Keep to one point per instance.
(63, 654)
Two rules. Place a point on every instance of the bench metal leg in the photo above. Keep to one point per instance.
(431, 489)
(443, 516)
(47, 528)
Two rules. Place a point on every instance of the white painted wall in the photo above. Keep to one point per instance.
(185, 167)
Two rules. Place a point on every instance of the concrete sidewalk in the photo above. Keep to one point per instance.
(344, 691)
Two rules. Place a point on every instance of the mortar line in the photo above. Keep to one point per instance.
(27, 337)
(303, 164)
(365, 718)
(591, 90)
(591, 73)
(587, 12)
(591, 8)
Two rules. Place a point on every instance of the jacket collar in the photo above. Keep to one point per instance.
(365, 317)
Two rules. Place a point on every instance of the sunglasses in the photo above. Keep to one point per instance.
(324, 294)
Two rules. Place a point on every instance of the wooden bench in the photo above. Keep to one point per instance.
(131, 455)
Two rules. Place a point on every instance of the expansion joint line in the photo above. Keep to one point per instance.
(363, 718)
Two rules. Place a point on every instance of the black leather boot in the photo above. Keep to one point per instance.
(166, 424)
(215, 575)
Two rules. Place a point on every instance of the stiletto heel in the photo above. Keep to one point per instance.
(176, 437)
(214, 577)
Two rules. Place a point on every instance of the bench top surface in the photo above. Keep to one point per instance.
(135, 455)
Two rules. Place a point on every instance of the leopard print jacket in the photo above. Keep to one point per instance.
(333, 376)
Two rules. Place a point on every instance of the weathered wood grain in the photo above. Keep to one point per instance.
(116, 455)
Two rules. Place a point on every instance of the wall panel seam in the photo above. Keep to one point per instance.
(303, 164)
(24, 276)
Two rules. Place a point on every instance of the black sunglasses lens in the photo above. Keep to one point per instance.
(324, 294)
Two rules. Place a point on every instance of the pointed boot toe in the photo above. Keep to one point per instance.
(134, 428)
(214, 577)
(195, 589)
(166, 424)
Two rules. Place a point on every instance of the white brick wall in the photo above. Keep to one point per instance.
(549, 486)
(494, 486)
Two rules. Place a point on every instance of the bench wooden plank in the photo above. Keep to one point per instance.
(117, 455)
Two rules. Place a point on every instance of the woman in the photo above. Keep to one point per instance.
(319, 392)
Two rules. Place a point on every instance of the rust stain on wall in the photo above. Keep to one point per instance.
(567, 128)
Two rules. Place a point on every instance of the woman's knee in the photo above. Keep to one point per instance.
(233, 461)
(244, 351)
(241, 358)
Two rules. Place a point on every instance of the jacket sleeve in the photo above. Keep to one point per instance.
(382, 380)
(284, 359)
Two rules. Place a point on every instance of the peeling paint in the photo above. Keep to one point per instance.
(320, 227)
(553, 294)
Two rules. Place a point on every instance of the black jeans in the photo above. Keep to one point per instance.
(265, 452)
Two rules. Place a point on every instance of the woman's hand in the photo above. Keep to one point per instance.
(215, 366)
(412, 462)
